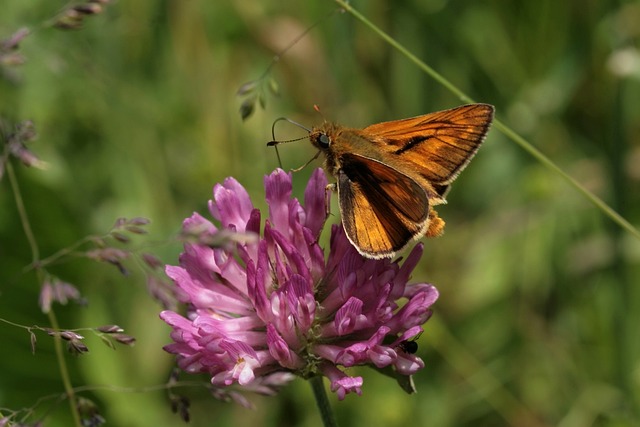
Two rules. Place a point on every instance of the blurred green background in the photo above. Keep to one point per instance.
(538, 323)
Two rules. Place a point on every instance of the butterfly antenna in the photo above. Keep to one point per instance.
(293, 122)
(274, 142)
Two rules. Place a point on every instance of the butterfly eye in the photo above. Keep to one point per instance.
(324, 141)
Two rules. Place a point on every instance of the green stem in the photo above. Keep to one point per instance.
(22, 212)
(424, 67)
(600, 204)
(64, 371)
(42, 263)
(35, 256)
(317, 384)
(511, 134)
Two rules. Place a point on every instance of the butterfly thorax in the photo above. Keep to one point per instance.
(335, 140)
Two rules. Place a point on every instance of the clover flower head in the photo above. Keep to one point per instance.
(272, 304)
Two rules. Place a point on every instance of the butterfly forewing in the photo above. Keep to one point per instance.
(436, 146)
(382, 209)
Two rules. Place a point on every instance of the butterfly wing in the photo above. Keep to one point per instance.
(435, 146)
(382, 209)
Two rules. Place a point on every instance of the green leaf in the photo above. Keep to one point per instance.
(247, 107)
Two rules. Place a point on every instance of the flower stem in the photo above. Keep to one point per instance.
(328, 420)
(511, 134)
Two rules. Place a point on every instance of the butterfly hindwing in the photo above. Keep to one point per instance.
(382, 209)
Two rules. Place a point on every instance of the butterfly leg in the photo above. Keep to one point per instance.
(330, 188)
(298, 169)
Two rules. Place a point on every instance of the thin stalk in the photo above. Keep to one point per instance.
(22, 212)
(35, 257)
(64, 370)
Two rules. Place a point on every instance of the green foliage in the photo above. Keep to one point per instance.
(137, 115)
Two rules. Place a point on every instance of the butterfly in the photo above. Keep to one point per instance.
(390, 175)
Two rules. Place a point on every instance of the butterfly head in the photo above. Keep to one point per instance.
(326, 138)
(323, 136)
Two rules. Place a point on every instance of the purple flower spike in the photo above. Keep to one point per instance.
(261, 311)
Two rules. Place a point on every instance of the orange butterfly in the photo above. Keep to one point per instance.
(390, 175)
